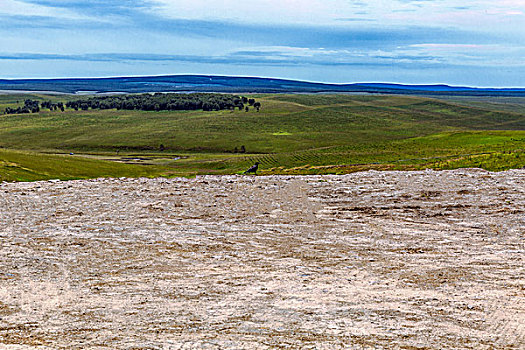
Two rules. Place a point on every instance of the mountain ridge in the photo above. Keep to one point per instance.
(231, 84)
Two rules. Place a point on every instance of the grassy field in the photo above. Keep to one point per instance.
(292, 134)
(30, 166)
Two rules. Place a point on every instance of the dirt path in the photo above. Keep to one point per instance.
(379, 260)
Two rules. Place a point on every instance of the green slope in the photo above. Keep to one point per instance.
(281, 126)
(291, 134)
(30, 166)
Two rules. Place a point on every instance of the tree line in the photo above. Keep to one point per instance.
(146, 102)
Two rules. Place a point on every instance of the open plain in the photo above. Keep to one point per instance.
(370, 260)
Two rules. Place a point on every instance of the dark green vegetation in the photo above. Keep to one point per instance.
(143, 102)
(292, 134)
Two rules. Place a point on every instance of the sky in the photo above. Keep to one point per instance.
(456, 42)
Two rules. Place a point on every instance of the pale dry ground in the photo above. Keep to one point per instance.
(380, 260)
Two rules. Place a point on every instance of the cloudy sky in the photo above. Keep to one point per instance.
(457, 42)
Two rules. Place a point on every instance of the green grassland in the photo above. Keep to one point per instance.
(510, 104)
(292, 134)
(31, 166)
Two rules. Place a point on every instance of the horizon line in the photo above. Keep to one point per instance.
(268, 78)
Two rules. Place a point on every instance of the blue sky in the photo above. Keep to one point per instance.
(474, 43)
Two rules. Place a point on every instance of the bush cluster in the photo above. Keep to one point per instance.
(30, 106)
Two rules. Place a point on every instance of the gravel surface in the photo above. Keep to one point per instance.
(372, 260)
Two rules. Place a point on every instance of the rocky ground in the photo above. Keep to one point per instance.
(373, 260)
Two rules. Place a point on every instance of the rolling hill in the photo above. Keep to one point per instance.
(205, 83)
(291, 134)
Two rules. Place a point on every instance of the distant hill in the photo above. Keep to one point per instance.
(205, 83)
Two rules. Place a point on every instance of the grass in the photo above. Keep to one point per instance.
(509, 104)
(31, 166)
(292, 134)
(502, 150)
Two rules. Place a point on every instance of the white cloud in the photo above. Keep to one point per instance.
(330, 12)
(474, 54)
(274, 11)
(21, 8)
(455, 47)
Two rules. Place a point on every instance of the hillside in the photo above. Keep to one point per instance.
(296, 134)
(202, 83)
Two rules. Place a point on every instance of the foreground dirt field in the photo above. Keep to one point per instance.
(375, 260)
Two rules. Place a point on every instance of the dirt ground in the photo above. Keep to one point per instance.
(372, 260)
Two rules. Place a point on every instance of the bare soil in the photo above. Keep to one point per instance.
(372, 260)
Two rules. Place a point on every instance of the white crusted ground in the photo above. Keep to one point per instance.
(381, 260)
